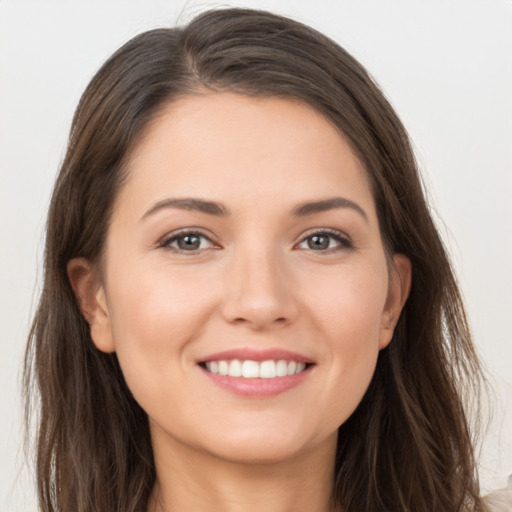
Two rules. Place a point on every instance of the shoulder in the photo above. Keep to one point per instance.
(499, 500)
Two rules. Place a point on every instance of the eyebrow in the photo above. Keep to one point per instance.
(309, 208)
(188, 203)
(219, 210)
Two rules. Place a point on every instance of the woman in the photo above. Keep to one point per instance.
(246, 302)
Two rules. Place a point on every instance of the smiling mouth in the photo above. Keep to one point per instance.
(250, 369)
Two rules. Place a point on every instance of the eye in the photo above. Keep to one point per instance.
(326, 241)
(187, 241)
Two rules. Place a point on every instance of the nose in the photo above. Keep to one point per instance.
(259, 292)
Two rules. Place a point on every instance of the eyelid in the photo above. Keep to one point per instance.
(345, 242)
(168, 238)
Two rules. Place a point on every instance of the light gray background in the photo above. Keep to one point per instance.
(446, 66)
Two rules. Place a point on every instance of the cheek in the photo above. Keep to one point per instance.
(348, 304)
(151, 303)
(152, 319)
(348, 313)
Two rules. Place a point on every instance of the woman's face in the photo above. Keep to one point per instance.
(245, 240)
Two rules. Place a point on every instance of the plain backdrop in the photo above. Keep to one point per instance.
(446, 66)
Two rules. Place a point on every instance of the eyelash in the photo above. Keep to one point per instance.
(166, 242)
(343, 241)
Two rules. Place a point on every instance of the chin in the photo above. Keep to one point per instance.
(268, 447)
(258, 455)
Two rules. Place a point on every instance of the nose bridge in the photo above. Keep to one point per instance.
(258, 288)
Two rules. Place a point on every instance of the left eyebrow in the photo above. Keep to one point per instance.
(310, 208)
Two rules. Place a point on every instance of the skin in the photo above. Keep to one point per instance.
(256, 281)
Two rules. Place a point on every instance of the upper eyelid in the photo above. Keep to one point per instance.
(335, 233)
(166, 239)
(183, 232)
(342, 239)
(324, 231)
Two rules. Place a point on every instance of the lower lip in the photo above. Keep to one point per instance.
(258, 387)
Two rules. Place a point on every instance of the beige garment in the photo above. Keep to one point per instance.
(500, 500)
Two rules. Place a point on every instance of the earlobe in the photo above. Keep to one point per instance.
(398, 292)
(91, 299)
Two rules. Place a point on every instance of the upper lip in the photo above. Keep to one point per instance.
(253, 354)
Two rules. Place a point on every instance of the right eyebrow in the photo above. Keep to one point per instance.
(186, 203)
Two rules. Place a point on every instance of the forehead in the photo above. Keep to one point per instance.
(225, 144)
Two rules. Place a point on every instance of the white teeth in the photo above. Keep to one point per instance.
(253, 369)
(250, 369)
(235, 368)
(267, 370)
(281, 368)
(292, 366)
(223, 367)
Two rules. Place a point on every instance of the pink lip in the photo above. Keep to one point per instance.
(257, 387)
(256, 355)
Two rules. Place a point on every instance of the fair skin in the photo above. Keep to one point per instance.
(262, 278)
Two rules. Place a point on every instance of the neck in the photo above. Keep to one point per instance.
(191, 481)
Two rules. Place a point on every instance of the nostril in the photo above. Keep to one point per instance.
(260, 310)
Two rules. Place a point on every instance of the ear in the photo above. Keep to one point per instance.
(90, 295)
(398, 291)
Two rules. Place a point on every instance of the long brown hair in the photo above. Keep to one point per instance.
(408, 446)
